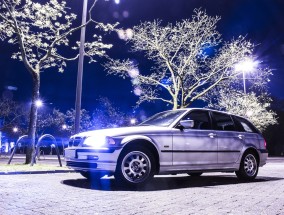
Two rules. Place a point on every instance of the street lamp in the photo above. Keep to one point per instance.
(133, 121)
(15, 129)
(80, 69)
(39, 103)
(247, 65)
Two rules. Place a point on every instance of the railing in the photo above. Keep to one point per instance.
(15, 147)
(37, 148)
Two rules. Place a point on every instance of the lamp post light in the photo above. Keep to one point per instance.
(64, 127)
(39, 103)
(133, 121)
(80, 69)
(247, 65)
(15, 129)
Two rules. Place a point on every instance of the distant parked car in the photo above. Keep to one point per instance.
(189, 141)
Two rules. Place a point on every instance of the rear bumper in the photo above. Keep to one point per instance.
(263, 155)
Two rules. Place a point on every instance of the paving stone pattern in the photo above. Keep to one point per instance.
(215, 193)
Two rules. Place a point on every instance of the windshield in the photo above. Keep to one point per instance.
(164, 118)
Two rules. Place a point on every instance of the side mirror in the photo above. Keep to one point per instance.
(186, 124)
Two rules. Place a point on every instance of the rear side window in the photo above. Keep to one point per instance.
(201, 119)
(244, 125)
(223, 122)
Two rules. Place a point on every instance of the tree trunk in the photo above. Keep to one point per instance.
(33, 118)
(175, 102)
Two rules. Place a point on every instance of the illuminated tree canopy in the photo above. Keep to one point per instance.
(253, 107)
(190, 60)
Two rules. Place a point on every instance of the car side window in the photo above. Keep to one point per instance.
(223, 122)
(201, 119)
(245, 125)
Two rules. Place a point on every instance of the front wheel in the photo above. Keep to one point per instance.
(248, 168)
(135, 167)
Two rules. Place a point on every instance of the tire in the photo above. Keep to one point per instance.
(195, 174)
(248, 167)
(91, 175)
(135, 167)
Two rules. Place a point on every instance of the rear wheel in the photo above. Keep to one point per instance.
(248, 168)
(135, 167)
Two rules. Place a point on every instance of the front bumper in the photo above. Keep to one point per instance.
(95, 160)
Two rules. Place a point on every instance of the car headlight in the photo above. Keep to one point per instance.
(98, 141)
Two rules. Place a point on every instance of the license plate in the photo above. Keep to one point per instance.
(70, 153)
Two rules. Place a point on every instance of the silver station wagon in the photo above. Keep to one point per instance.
(190, 141)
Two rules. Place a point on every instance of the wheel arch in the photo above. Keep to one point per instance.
(253, 150)
(143, 142)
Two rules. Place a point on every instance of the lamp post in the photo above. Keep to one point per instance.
(244, 80)
(80, 69)
(248, 65)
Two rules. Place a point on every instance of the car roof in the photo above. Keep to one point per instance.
(209, 109)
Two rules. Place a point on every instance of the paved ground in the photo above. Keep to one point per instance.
(69, 193)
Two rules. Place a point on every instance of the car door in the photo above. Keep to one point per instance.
(249, 132)
(230, 141)
(197, 145)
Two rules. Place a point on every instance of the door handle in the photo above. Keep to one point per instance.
(240, 136)
(212, 135)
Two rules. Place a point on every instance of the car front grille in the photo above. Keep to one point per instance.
(81, 164)
(75, 141)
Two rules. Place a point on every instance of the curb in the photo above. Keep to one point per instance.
(37, 172)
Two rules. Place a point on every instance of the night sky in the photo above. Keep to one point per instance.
(262, 21)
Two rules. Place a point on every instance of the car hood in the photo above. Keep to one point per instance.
(134, 130)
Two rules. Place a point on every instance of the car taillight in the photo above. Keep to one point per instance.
(264, 144)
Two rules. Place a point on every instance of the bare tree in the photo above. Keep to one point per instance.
(13, 115)
(190, 60)
(251, 106)
(62, 123)
(107, 115)
(40, 31)
(85, 122)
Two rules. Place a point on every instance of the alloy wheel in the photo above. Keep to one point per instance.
(250, 165)
(136, 167)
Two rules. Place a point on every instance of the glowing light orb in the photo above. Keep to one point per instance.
(248, 65)
(125, 14)
(129, 33)
(133, 73)
(39, 103)
(137, 91)
(121, 34)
